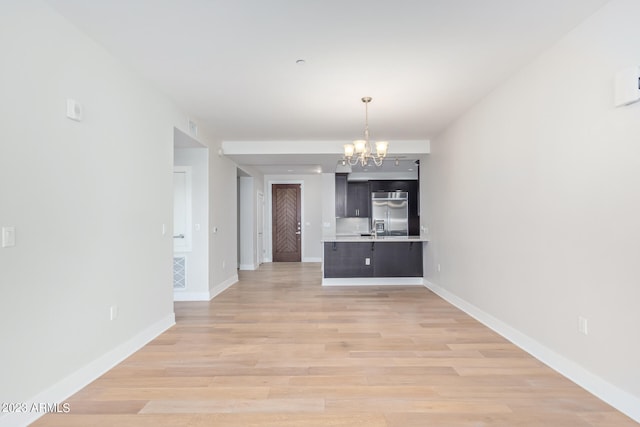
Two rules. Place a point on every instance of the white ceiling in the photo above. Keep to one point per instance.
(231, 64)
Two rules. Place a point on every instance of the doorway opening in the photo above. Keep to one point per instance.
(248, 252)
(190, 219)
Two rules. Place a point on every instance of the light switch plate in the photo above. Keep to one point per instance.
(74, 110)
(8, 237)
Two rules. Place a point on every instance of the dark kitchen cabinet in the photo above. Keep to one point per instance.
(372, 259)
(397, 259)
(341, 195)
(348, 259)
(358, 199)
(353, 199)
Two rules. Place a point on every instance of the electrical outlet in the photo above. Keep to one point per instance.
(583, 325)
(367, 261)
(438, 268)
(113, 312)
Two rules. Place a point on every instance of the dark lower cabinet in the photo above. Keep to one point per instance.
(397, 259)
(348, 259)
(386, 259)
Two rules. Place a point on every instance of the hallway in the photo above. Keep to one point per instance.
(277, 349)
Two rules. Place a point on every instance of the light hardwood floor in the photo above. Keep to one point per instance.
(277, 349)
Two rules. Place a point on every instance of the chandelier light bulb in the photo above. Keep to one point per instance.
(360, 146)
(348, 150)
(381, 148)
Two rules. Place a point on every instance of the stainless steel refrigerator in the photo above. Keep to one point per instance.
(390, 213)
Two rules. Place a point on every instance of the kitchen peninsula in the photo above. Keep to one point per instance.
(377, 237)
(370, 260)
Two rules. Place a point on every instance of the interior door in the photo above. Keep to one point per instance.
(182, 209)
(286, 231)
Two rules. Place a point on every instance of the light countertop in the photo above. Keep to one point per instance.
(358, 238)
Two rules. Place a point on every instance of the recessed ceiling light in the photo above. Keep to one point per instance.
(410, 169)
(301, 62)
(289, 170)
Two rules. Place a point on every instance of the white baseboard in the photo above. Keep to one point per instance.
(248, 267)
(191, 296)
(205, 296)
(221, 287)
(305, 259)
(373, 281)
(85, 375)
(614, 396)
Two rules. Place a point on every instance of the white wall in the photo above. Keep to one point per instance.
(533, 200)
(223, 221)
(88, 200)
(328, 204)
(312, 208)
(197, 277)
(251, 184)
(247, 225)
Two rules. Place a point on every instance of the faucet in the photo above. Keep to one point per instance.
(378, 227)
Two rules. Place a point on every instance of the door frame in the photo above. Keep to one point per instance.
(268, 220)
(260, 205)
(185, 244)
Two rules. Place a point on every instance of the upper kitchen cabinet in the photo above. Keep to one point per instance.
(358, 199)
(341, 195)
(352, 198)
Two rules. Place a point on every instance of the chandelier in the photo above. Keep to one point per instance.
(362, 150)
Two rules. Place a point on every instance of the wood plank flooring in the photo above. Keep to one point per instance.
(277, 349)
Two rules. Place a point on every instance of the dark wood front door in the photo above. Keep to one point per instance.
(286, 230)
